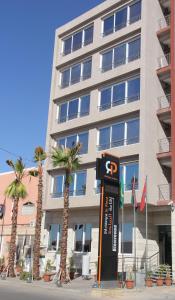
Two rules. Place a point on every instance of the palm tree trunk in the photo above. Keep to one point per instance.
(36, 248)
(65, 229)
(12, 250)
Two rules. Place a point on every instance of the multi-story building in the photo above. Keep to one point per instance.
(26, 216)
(112, 90)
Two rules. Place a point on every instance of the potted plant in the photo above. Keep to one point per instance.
(20, 265)
(130, 280)
(159, 280)
(168, 280)
(47, 274)
(71, 268)
(148, 279)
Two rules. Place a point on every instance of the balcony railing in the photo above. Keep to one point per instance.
(72, 116)
(164, 192)
(164, 22)
(118, 143)
(164, 101)
(164, 60)
(120, 101)
(80, 192)
(164, 145)
(120, 62)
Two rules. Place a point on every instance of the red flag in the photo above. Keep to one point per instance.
(143, 199)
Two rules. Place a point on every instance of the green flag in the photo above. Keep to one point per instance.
(121, 192)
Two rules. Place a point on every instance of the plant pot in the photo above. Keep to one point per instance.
(47, 277)
(18, 269)
(159, 281)
(148, 282)
(168, 281)
(129, 284)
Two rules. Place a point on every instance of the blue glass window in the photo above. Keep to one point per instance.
(87, 65)
(77, 41)
(135, 12)
(81, 183)
(62, 142)
(84, 105)
(134, 50)
(132, 169)
(126, 243)
(75, 73)
(63, 113)
(73, 109)
(108, 25)
(88, 35)
(83, 139)
(67, 45)
(119, 94)
(105, 101)
(71, 141)
(88, 238)
(58, 186)
(120, 55)
(107, 61)
(133, 131)
(120, 19)
(104, 138)
(79, 237)
(118, 135)
(65, 79)
(53, 236)
(133, 89)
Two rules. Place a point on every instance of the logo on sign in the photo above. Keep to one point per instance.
(111, 167)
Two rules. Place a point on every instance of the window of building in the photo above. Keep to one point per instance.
(28, 208)
(121, 54)
(74, 108)
(97, 186)
(120, 93)
(23, 241)
(127, 234)
(122, 18)
(78, 40)
(72, 140)
(77, 185)
(119, 134)
(54, 237)
(129, 171)
(83, 237)
(76, 73)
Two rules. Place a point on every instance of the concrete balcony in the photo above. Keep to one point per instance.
(163, 32)
(164, 152)
(163, 70)
(165, 195)
(164, 109)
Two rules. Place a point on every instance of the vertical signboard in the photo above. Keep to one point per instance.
(108, 173)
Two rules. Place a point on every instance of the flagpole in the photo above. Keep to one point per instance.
(146, 250)
(122, 245)
(134, 241)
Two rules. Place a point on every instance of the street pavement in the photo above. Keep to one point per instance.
(14, 289)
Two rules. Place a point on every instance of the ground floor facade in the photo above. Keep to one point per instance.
(83, 235)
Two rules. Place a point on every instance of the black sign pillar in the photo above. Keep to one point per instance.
(107, 169)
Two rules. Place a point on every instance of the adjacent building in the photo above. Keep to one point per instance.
(26, 217)
(112, 90)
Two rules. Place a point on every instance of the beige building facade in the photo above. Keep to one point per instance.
(111, 90)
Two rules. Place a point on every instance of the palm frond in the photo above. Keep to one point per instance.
(40, 155)
(16, 189)
(19, 166)
(33, 173)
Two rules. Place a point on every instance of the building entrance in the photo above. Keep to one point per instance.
(165, 244)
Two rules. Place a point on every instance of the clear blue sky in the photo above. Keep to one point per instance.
(27, 29)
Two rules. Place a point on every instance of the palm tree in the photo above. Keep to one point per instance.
(39, 157)
(15, 191)
(67, 158)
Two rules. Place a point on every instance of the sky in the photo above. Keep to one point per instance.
(27, 29)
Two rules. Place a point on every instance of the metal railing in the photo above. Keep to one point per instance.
(164, 145)
(72, 116)
(164, 192)
(118, 143)
(164, 101)
(164, 60)
(80, 192)
(75, 80)
(164, 22)
(120, 62)
(120, 101)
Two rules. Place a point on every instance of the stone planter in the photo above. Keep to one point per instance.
(47, 277)
(148, 282)
(129, 284)
(168, 281)
(159, 281)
